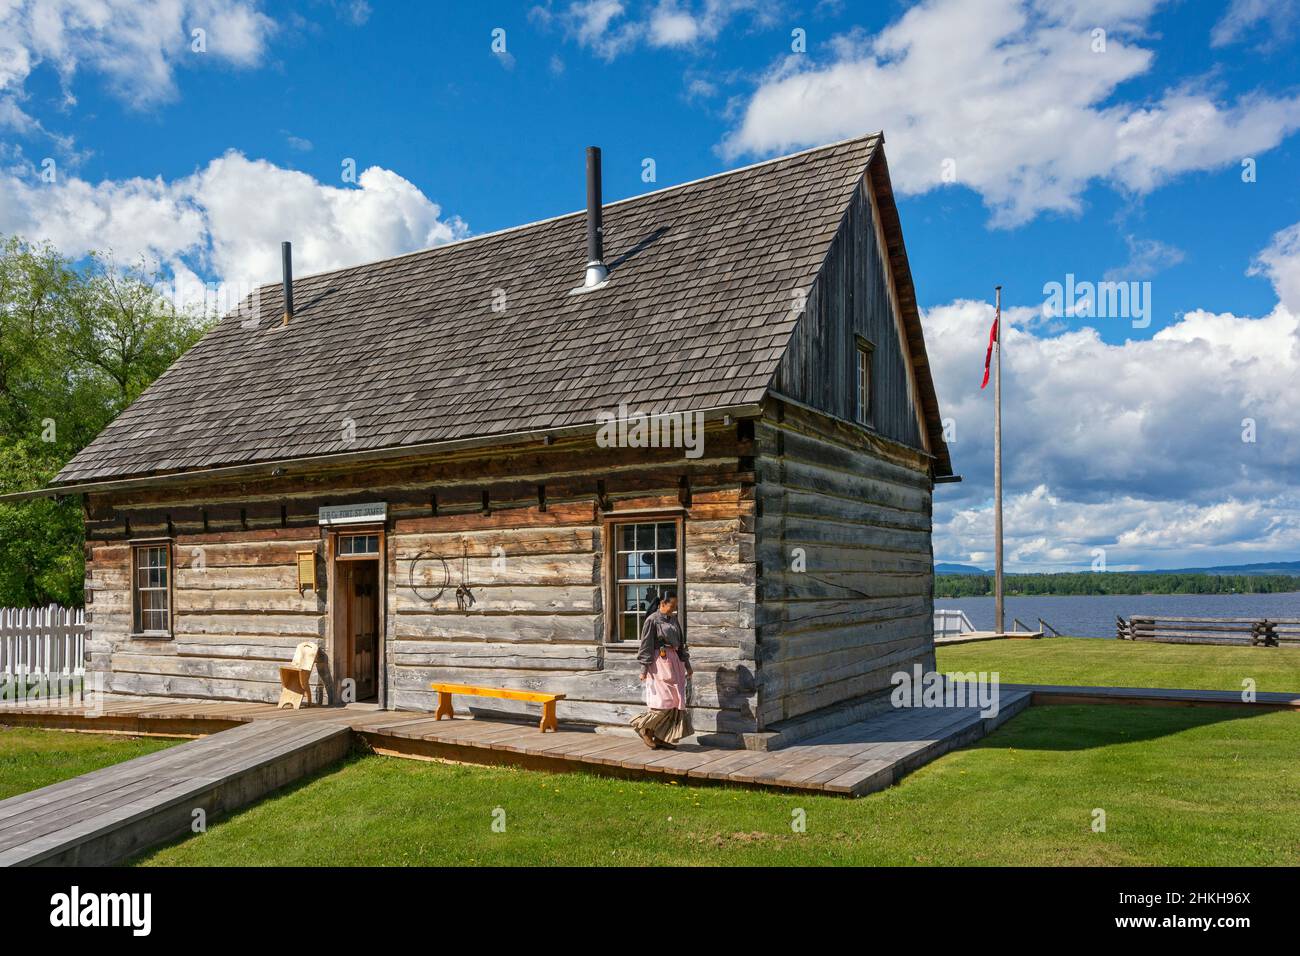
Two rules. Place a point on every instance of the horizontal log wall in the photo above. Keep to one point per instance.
(538, 618)
(238, 614)
(523, 526)
(846, 590)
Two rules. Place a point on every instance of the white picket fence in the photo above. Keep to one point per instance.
(38, 642)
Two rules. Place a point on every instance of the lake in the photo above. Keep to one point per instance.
(1094, 615)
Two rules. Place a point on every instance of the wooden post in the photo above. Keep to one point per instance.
(999, 618)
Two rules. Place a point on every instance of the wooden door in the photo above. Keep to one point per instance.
(363, 627)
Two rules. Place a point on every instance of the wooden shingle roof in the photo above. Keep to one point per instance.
(411, 351)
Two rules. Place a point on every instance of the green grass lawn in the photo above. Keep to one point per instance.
(1178, 786)
(32, 758)
(1092, 661)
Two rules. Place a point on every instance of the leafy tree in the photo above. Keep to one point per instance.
(78, 343)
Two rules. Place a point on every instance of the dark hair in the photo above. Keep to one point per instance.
(667, 596)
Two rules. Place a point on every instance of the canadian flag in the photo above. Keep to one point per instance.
(988, 356)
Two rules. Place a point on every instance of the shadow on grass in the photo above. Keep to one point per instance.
(1065, 727)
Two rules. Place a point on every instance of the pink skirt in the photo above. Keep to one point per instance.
(665, 687)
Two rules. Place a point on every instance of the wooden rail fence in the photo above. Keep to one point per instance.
(42, 642)
(1253, 631)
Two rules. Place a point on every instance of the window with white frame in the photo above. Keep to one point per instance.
(647, 565)
(151, 588)
(862, 409)
(358, 545)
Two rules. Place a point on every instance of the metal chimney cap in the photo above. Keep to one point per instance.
(597, 273)
(286, 278)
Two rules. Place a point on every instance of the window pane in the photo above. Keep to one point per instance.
(151, 588)
(356, 544)
(863, 409)
(667, 565)
(629, 598)
(646, 552)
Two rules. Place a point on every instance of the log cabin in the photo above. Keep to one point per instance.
(449, 466)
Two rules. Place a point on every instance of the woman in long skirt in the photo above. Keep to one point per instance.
(665, 665)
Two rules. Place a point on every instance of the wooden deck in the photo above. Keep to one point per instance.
(971, 637)
(110, 814)
(252, 749)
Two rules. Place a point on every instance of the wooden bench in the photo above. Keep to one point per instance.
(445, 692)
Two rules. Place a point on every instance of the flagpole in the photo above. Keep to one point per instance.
(997, 463)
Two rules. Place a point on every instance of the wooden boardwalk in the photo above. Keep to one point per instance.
(246, 750)
(107, 815)
(110, 814)
(857, 759)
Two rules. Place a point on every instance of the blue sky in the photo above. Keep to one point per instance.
(1112, 156)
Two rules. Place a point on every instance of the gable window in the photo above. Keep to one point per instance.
(647, 564)
(862, 407)
(151, 588)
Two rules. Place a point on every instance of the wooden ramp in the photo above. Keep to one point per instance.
(106, 816)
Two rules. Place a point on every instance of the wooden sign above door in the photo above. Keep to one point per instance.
(354, 514)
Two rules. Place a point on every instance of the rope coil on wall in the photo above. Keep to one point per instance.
(429, 589)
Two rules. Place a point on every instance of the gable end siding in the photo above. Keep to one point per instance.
(850, 298)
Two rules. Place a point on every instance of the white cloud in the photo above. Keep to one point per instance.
(609, 27)
(135, 45)
(227, 219)
(1146, 257)
(1280, 262)
(356, 12)
(1046, 532)
(1276, 17)
(1015, 97)
(1137, 446)
(671, 26)
(599, 24)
